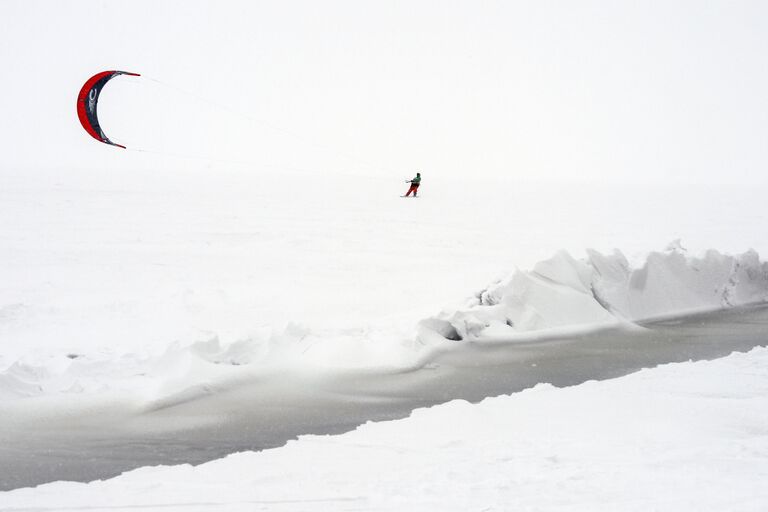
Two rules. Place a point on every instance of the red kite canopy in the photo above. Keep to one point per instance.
(88, 99)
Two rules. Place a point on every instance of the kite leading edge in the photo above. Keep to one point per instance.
(88, 99)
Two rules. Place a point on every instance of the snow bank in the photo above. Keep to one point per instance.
(560, 293)
(183, 371)
(691, 438)
(563, 292)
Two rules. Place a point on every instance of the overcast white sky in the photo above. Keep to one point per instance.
(594, 90)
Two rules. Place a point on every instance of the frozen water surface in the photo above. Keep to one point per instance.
(96, 441)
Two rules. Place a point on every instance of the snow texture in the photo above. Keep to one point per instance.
(563, 292)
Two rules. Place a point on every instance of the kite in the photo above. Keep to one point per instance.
(88, 99)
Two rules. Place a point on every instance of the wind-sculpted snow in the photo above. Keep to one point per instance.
(561, 294)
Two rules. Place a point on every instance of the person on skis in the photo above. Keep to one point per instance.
(415, 182)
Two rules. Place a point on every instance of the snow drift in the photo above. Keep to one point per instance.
(561, 294)
(566, 293)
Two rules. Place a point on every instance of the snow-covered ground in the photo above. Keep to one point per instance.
(145, 285)
(687, 436)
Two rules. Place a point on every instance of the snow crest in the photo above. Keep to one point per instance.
(564, 293)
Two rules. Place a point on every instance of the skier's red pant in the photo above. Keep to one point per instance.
(414, 189)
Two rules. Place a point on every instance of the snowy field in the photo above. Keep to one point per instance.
(687, 436)
(167, 256)
(132, 289)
